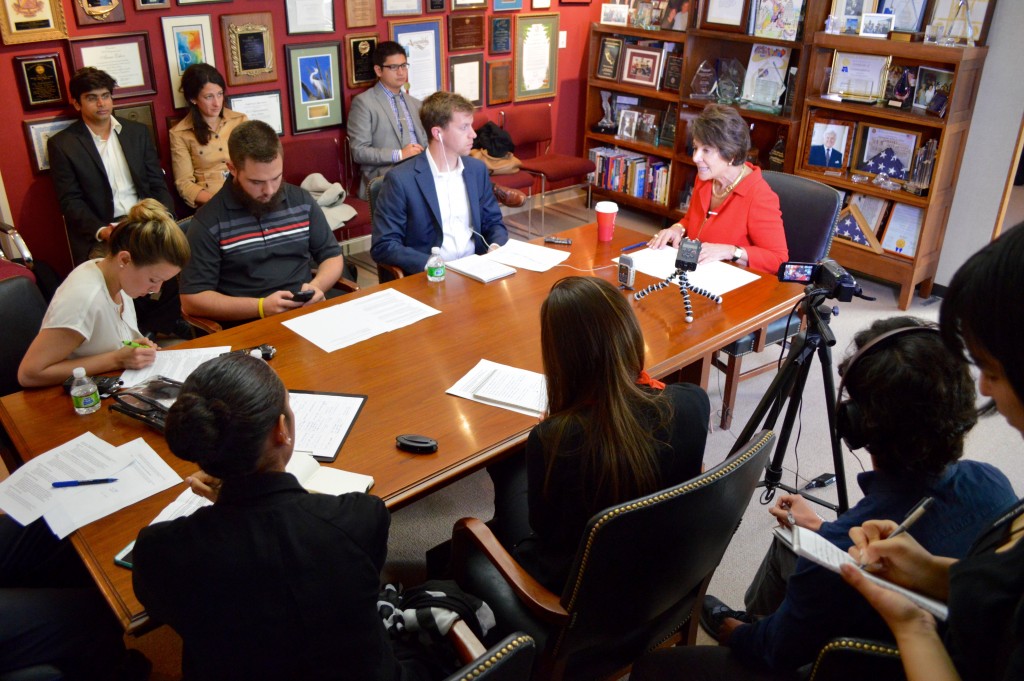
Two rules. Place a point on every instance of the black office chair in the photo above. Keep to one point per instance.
(809, 213)
(638, 578)
(854, 659)
(21, 308)
(508, 660)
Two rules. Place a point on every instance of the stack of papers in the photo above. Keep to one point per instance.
(480, 268)
(322, 421)
(503, 386)
(527, 256)
(175, 364)
(717, 277)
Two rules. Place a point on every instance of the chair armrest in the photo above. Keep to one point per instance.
(202, 323)
(473, 533)
(393, 270)
(467, 646)
(346, 285)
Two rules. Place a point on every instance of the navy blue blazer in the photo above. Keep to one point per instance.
(407, 215)
(817, 157)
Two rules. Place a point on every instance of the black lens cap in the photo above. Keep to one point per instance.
(417, 444)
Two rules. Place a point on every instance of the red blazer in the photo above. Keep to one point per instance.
(750, 218)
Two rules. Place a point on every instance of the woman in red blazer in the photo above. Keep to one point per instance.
(733, 213)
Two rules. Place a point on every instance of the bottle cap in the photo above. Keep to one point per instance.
(435, 250)
(79, 372)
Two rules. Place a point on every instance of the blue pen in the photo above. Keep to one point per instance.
(79, 483)
(636, 245)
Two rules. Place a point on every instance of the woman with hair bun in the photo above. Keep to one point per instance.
(270, 582)
(92, 315)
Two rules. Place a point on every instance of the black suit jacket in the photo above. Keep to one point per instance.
(81, 180)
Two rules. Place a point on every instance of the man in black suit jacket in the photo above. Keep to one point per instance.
(96, 156)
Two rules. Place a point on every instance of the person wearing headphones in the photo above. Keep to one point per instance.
(910, 402)
(441, 198)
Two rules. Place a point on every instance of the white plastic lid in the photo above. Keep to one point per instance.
(435, 250)
(79, 372)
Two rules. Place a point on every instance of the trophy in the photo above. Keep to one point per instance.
(921, 175)
(705, 81)
(606, 125)
(730, 81)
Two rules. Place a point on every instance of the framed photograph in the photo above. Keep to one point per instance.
(725, 15)
(500, 35)
(508, 5)
(423, 40)
(608, 58)
(152, 4)
(139, 112)
(468, 4)
(33, 22)
(398, 8)
(40, 80)
(314, 85)
(852, 227)
(875, 25)
(92, 12)
(188, 40)
(466, 31)
(359, 13)
(260, 106)
(880, 149)
(38, 132)
(944, 14)
(902, 230)
(466, 76)
(249, 47)
(907, 14)
(859, 77)
(309, 16)
(831, 141)
(640, 65)
(615, 15)
(433, 6)
(359, 59)
(627, 124)
(536, 77)
(932, 84)
(499, 81)
(125, 56)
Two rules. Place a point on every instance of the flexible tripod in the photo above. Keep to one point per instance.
(684, 288)
(788, 385)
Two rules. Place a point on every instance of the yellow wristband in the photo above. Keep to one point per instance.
(261, 308)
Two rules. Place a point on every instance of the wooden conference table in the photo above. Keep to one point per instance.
(405, 374)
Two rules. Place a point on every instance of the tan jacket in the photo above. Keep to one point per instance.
(201, 167)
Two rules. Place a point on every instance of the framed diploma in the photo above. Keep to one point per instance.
(309, 16)
(466, 75)
(38, 132)
(499, 81)
(359, 59)
(725, 15)
(249, 47)
(40, 79)
(260, 106)
(500, 35)
(152, 4)
(360, 13)
(32, 22)
(314, 85)
(468, 4)
(423, 41)
(903, 229)
(395, 8)
(125, 56)
(536, 56)
(139, 112)
(859, 77)
(608, 59)
(466, 31)
(188, 40)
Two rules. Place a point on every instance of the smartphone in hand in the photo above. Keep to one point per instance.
(303, 296)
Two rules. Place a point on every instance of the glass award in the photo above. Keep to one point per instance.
(704, 82)
(730, 81)
(921, 174)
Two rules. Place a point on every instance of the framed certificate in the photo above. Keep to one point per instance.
(883, 150)
(902, 230)
(125, 56)
(309, 16)
(536, 56)
(859, 77)
(44, 22)
(466, 31)
(423, 40)
(260, 106)
(466, 75)
(249, 47)
(395, 8)
(725, 15)
(40, 80)
(38, 132)
(360, 13)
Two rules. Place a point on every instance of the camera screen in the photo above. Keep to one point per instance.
(802, 272)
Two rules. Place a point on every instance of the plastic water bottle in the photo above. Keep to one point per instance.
(84, 393)
(435, 265)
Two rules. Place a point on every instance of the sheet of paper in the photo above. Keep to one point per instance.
(176, 364)
(340, 326)
(144, 476)
(480, 268)
(503, 386)
(187, 503)
(28, 493)
(528, 256)
(717, 277)
(322, 421)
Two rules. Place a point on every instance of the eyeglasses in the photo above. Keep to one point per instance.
(397, 67)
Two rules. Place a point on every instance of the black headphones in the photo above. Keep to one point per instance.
(849, 420)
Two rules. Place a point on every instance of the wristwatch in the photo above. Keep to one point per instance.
(737, 253)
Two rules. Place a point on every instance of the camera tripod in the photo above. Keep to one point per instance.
(679, 276)
(788, 385)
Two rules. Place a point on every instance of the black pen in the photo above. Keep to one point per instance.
(79, 483)
(638, 244)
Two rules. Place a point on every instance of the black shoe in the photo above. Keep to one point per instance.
(714, 612)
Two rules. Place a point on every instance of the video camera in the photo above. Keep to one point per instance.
(827, 275)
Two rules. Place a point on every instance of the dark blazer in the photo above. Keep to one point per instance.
(81, 180)
(407, 216)
(817, 157)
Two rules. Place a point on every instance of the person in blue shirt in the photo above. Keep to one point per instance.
(910, 403)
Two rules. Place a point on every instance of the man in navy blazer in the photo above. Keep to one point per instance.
(441, 198)
(101, 166)
(826, 155)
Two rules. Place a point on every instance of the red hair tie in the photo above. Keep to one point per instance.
(645, 379)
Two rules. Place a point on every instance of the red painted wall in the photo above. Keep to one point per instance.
(32, 196)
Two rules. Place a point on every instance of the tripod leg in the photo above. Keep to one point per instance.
(773, 474)
(825, 355)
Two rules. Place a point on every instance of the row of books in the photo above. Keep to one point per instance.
(631, 173)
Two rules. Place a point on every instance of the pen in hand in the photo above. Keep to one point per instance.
(133, 344)
(912, 517)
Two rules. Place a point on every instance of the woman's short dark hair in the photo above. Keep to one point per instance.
(721, 127)
(193, 80)
(150, 235)
(984, 305)
(915, 398)
(224, 413)
(87, 79)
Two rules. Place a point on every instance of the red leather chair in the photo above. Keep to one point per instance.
(305, 155)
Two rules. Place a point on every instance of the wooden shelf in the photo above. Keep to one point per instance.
(898, 48)
(638, 203)
(867, 188)
(666, 36)
(743, 38)
(631, 145)
(908, 116)
(752, 114)
(629, 88)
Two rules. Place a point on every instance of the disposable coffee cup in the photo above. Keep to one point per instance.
(606, 212)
